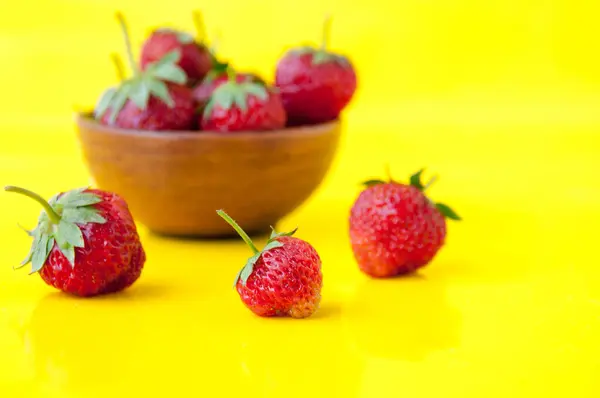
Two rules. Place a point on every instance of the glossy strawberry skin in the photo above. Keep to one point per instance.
(195, 60)
(112, 259)
(313, 93)
(158, 116)
(260, 116)
(286, 281)
(394, 230)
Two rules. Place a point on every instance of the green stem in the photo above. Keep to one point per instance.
(118, 64)
(54, 217)
(238, 229)
(199, 25)
(388, 172)
(125, 32)
(326, 32)
(231, 74)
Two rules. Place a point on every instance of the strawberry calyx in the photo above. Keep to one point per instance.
(143, 84)
(232, 93)
(59, 223)
(415, 181)
(272, 243)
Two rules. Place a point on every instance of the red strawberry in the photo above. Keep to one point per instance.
(247, 106)
(196, 59)
(283, 279)
(86, 242)
(154, 99)
(395, 229)
(315, 84)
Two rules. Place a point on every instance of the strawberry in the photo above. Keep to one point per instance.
(315, 84)
(283, 279)
(196, 59)
(86, 242)
(235, 106)
(395, 229)
(154, 99)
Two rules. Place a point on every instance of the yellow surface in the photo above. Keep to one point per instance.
(502, 99)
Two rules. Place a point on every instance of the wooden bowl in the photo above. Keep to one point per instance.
(175, 181)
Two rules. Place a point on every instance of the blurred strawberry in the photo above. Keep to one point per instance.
(196, 59)
(243, 106)
(315, 84)
(154, 99)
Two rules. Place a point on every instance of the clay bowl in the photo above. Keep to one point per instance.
(175, 181)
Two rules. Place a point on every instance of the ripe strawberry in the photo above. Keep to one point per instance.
(154, 99)
(283, 279)
(196, 59)
(86, 242)
(247, 106)
(395, 229)
(315, 84)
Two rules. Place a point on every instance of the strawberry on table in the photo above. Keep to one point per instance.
(153, 99)
(196, 59)
(243, 106)
(315, 84)
(283, 279)
(86, 242)
(395, 229)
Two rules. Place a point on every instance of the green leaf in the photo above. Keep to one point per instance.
(83, 215)
(257, 89)
(172, 57)
(272, 245)
(69, 252)
(28, 232)
(70, 233)
(119, 101)
(40, 253)
(104, 102)
(275, 234)
(415, 179)
(370, 183)
(78, 198)
(171, 73)
(36, 242)
(237, 278)
(321, 57)
(140, 94)
(160, 90)
(248, 268)
(239, 98)
(447, 212)
(50, 245)
(185, 38)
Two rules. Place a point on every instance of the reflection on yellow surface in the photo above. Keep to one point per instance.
(500, 99)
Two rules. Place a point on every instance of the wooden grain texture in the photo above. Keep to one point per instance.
(175, 181)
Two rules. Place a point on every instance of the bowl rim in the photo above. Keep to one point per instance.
(86, 119)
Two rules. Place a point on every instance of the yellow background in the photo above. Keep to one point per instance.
(501, 98)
